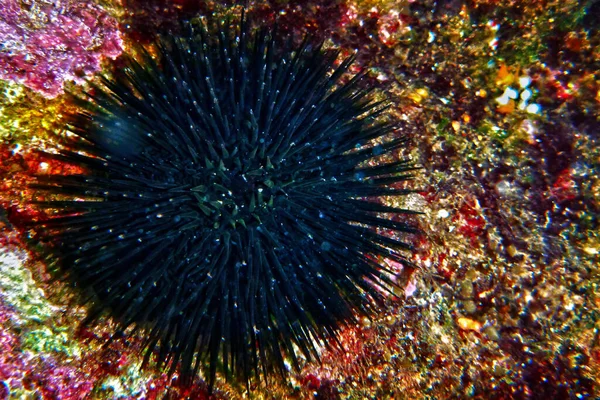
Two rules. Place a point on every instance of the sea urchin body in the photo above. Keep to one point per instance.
(228, 206)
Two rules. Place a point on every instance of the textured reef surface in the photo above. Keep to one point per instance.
(501, 100)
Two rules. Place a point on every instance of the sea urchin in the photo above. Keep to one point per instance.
(229, 201)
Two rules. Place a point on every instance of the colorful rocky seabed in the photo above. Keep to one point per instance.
(501, 100)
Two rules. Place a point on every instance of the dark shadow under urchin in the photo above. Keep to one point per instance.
(229, 204)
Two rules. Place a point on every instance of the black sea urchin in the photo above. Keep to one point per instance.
(228, 206)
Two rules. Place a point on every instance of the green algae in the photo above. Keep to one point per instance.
(19, 290)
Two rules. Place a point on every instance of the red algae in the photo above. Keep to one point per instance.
(17, 169)
(46, 44)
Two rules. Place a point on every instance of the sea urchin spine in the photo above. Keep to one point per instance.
(228, 206)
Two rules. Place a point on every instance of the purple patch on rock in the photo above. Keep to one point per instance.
(51, 42)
